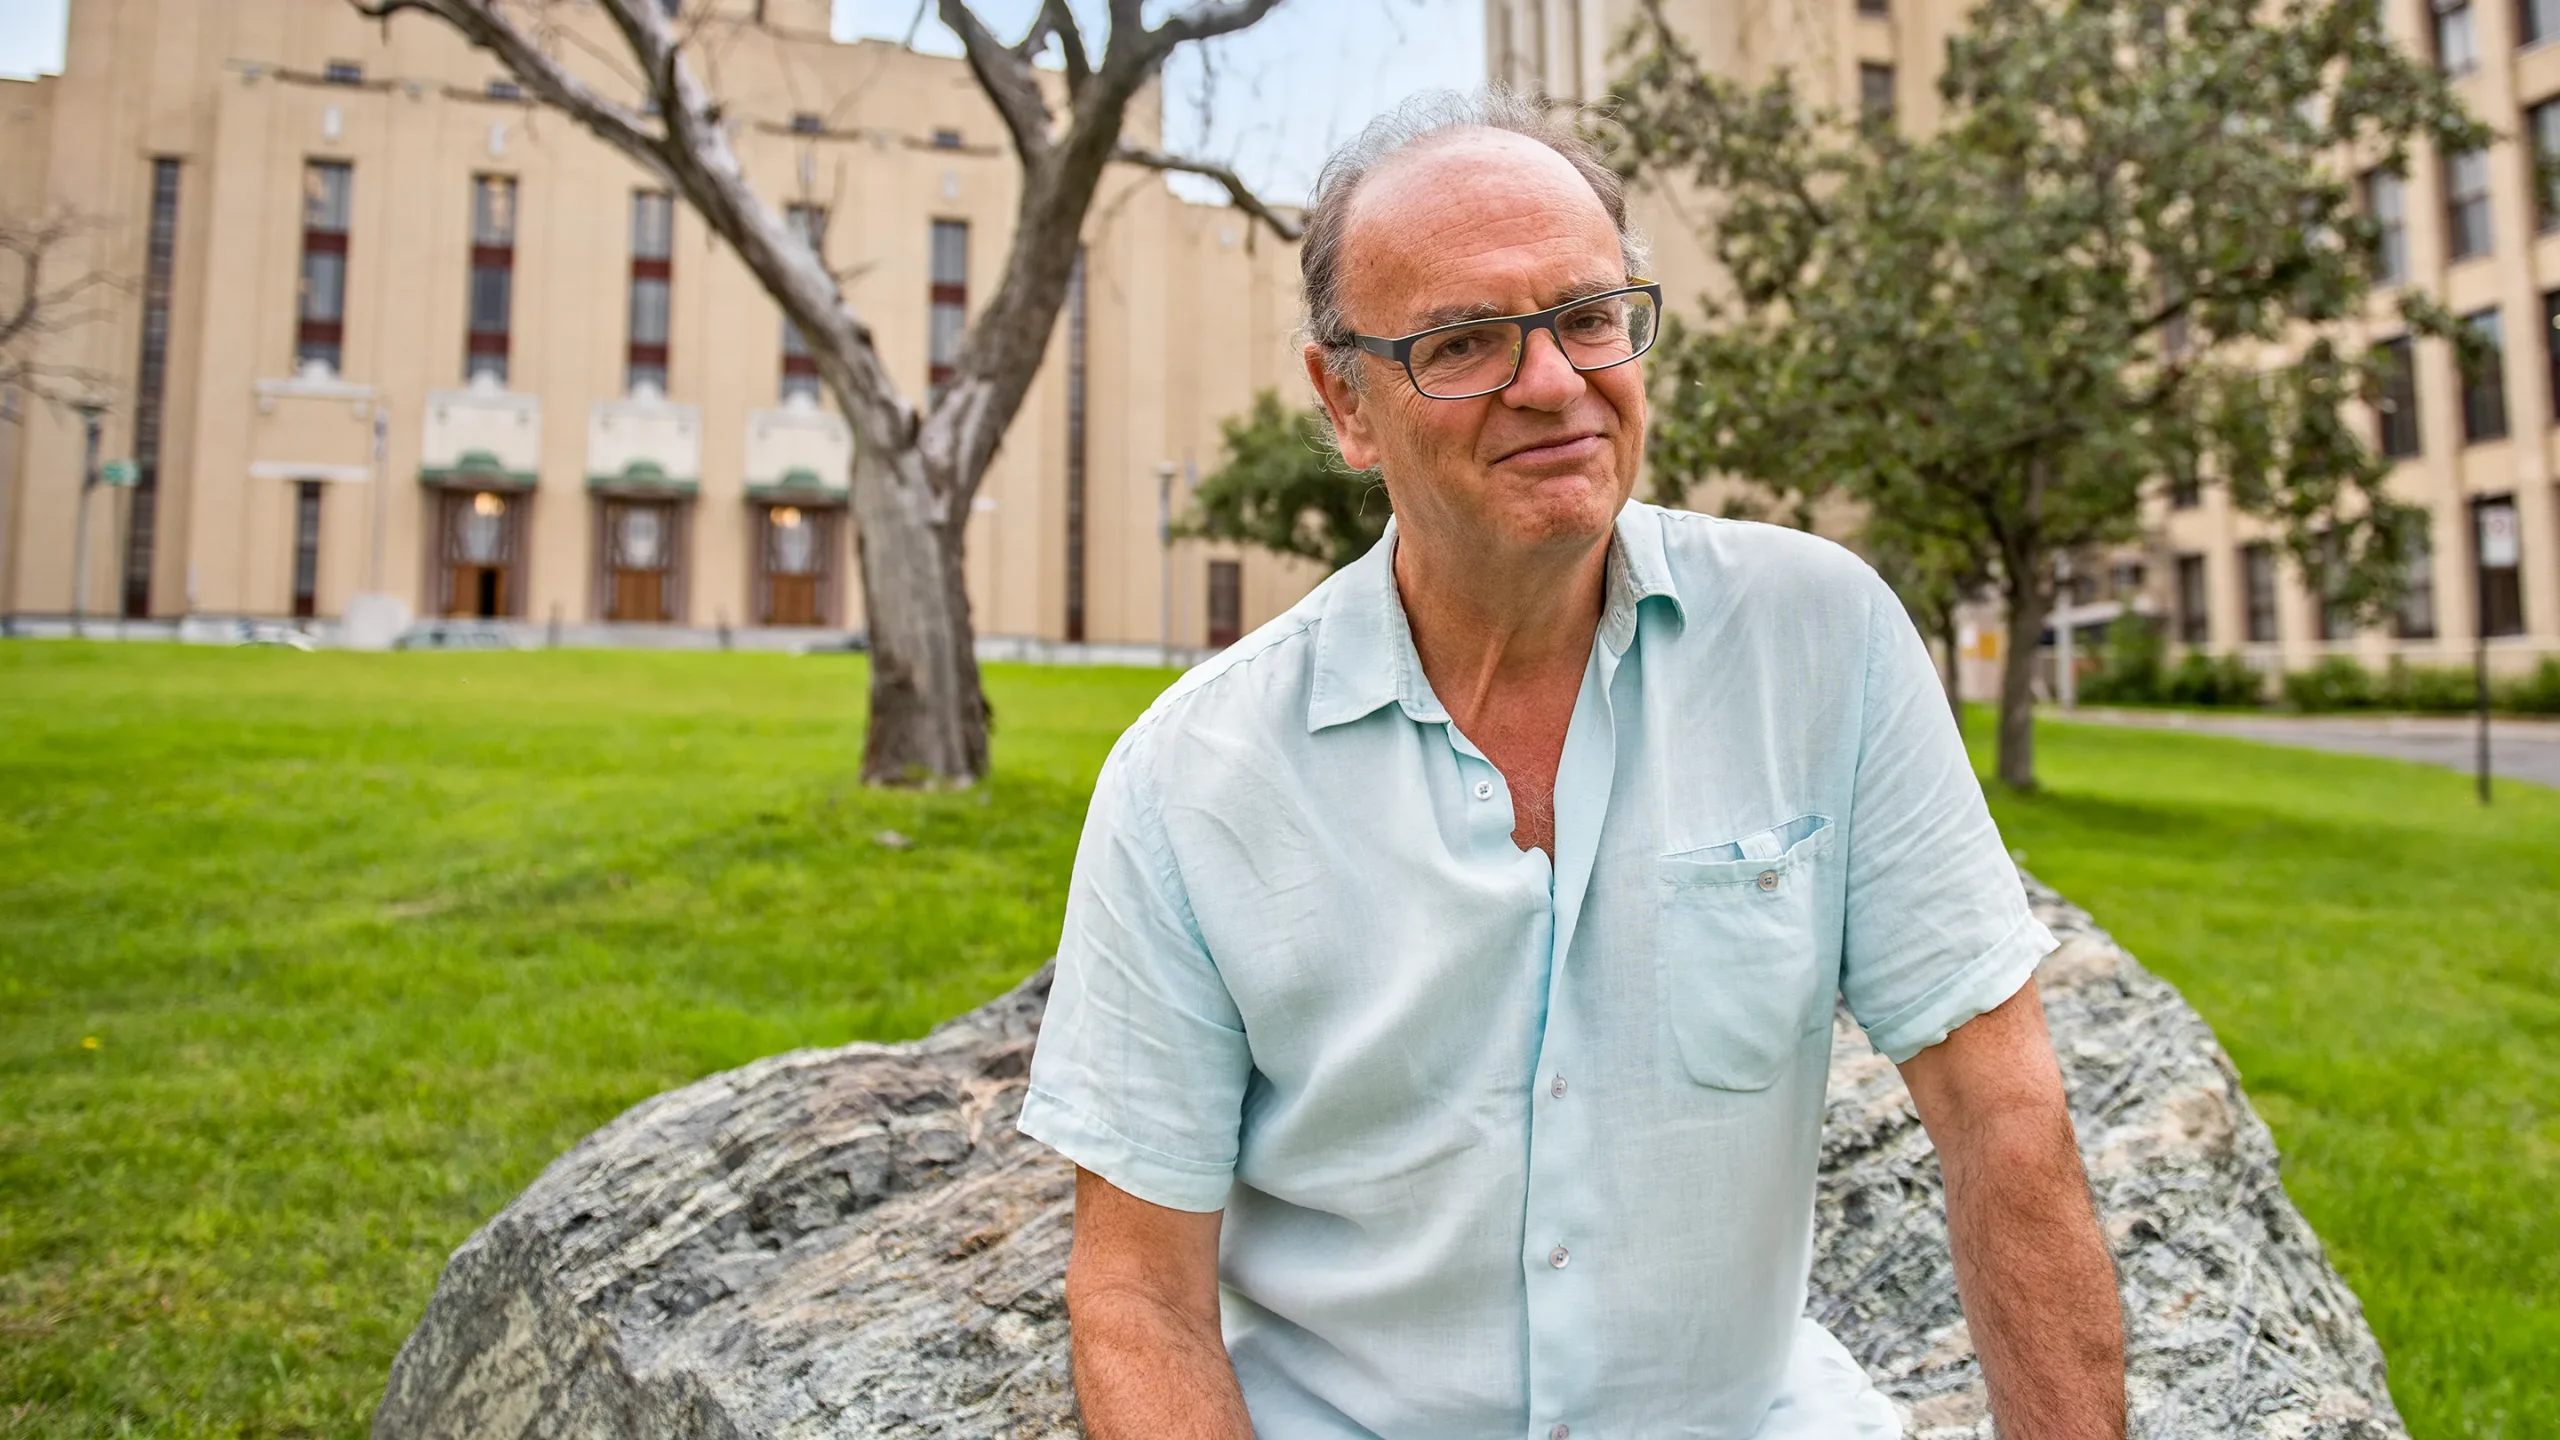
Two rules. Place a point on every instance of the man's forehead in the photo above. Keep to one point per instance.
(1474, 210)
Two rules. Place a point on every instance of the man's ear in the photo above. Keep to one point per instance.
(1345, 407)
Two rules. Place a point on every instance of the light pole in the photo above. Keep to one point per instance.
(1165, 471)
(90, 410)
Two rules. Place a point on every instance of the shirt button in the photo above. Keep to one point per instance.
(1560, 1431)
(1557, 1089)
(1768, 880)
(1484, 789)
(1558, 1256)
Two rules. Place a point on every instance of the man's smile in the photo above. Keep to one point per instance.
(1563, 449)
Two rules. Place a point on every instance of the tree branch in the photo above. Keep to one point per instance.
(1208, 21)
(1005, 73)
(1239, 194)
(1060, 19)
(479, 21)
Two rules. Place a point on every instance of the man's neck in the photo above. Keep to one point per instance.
(1486, 625)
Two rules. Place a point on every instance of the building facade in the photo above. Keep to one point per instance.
(383, 326)
(2470, 230)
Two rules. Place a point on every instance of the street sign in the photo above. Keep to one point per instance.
(2498, 537)
(116, 472)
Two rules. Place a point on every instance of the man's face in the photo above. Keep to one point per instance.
(1462, 225)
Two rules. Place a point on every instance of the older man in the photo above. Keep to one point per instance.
(1445, 1002)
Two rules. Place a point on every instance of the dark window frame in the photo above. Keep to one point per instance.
(946, 301)
(486, 345)
(306, 549)
(2391, 230)
(2469, 222)
(2484, 387)
(321, 333)
(2414, 618)
(2195, 616)
(2397, 433)
(151, 384)
(652, 272)
(1876, 94)
(2447, 19)
(799, 366)
(1225, 620)
(2258, 592)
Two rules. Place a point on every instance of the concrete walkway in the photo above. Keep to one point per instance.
(2519, 749)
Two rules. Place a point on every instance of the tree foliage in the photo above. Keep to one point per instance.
(2130, 250)
(1284, 489)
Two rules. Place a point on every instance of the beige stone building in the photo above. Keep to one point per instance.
(2469, 230)
(385, 327)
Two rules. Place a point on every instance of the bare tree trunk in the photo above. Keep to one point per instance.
(2017, 673)
(928, 717)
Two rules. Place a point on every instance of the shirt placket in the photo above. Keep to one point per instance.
(1564, 1239)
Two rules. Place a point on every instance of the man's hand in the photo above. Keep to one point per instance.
(2038, 1288)
(1142, 1320)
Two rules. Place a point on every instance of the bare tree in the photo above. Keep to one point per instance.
(915, 469)
(38, 302)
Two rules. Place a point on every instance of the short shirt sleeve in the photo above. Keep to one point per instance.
(1140, 1071)
(1937, 927)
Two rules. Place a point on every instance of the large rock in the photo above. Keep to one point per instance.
(856, 1242)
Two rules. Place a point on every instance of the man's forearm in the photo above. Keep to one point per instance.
(1144, 1370)
(2039, 1289)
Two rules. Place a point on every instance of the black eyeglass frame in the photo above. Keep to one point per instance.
(1400, 348)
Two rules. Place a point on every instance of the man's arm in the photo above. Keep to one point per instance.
(2039, 1290)
(1142, 1316)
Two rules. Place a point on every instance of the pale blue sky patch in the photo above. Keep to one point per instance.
(1272, 101)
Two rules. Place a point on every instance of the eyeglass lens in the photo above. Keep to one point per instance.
(1468, 360)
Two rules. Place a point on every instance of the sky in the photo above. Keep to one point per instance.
(1271, 101)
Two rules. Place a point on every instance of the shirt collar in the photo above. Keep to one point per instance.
(1364, 655)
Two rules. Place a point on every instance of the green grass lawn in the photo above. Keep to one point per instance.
(2381, 956)
(365, 940)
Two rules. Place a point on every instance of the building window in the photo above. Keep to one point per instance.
(1226, 603)
(2466, 204)
(2258, 585)
(306, 549)
(2416, 617)
(2536, 21)
(320, 331)
(653, 223)
(493, 274)
(2386, 204)
(2457, 48)
(2186, 486)
(2496, 549)
(807, 122)
(2396, 407)
(1875, 94)
(795, 566)
(505, 90)
(2551, 345)
(946, 139)
(2334, 617)
(948, 322)
(342, 72)
(799, 367)
(1876, 9)
(2194, 620)
(642, 541)
(2542, 127)
(2484, 383)
(151, 378)
(480, 539)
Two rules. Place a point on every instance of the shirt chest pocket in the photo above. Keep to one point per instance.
(1740, 955)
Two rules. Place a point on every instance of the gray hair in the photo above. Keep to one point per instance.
(1431, 113)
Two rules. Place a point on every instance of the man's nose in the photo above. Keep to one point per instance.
(1547, 381)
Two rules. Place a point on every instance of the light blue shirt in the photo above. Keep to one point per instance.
(1507, 1146)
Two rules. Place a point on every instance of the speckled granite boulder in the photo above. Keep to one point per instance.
(854, 1242)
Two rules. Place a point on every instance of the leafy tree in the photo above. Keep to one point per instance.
(1283, 488)
(2129, 251)
(916, 466)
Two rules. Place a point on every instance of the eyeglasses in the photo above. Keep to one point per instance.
(1478, 357)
